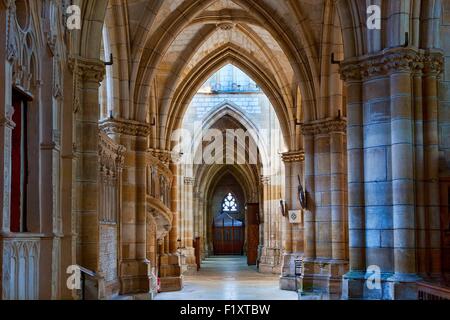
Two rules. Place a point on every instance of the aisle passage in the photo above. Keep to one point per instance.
(229, 278)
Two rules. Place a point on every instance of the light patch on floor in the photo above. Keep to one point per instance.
(229, 278)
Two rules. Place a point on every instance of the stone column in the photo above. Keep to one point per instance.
(133, 263)
(355, 175)
(270, 256)
(175, 210)
(399, 133)
(309, 214)
(403, 196)
(189, 222)
(87, 77)
(292, 233)
(432, 70)
(325, 218)
(338, 193)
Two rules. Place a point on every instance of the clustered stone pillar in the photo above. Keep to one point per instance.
(393, 181)
(325, 219)
(292, 233)
(133, 263)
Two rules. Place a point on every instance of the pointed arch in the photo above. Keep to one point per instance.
(215, 61)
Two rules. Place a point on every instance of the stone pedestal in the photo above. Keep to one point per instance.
(170, 273)
(288, 278)
(323, 278)
(270, 261)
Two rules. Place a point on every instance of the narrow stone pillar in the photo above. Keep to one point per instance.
(309, 214)
(292, 232)
(286, 226)
(338, 194)
(432, 69)
(352, 281)
(189, 221)
(87, 77)
(270, 256)
(175, 210)
(402, 158)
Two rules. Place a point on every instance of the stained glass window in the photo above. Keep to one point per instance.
(229, 203)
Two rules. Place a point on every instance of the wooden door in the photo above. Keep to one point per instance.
(228, 240)
(252, 233)
(197, 246)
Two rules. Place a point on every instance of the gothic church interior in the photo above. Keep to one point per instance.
(155, 146)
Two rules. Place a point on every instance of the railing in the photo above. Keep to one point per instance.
(433, 291)
(97, 288)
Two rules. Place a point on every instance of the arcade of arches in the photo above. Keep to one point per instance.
(92, 176)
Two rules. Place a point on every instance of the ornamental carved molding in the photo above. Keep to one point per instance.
(160, 167)
(324, 127)
(111, 156)
(84, 70)
(87, 69)
(293, 156)
(392, 61)
(164, 156)
(125, 127)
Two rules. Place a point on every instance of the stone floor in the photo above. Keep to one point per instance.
(229, 278)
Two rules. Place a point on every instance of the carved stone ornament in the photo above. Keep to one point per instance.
(126, 127)
(324, 127)
(392, 60)
(293, 156)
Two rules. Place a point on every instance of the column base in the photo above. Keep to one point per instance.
(391, 287)
(288, 280)
(270, 261)
(170, 284)
(134, 277)
(188, 261)
(170, 273)
(322, 279)
(404, 286)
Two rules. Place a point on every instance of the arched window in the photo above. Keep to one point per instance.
(229, 204)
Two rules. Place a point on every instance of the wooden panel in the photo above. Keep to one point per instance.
(197, 246)
(228, 240)
(252, 233)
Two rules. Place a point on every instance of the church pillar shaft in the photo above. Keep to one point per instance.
(402, 173)
(309, 214)
(87, 75)
(431, 170)
(355, 152)
(338, 195)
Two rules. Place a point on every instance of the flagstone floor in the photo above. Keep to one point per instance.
(229, 278)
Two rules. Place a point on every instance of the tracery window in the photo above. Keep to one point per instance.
(229, 204)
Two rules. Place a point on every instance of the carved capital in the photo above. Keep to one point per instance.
(293, 156)
(111, 155)
(87, 69)
(324, 127)
(126, 127)
(164, 156)
(390, 61)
